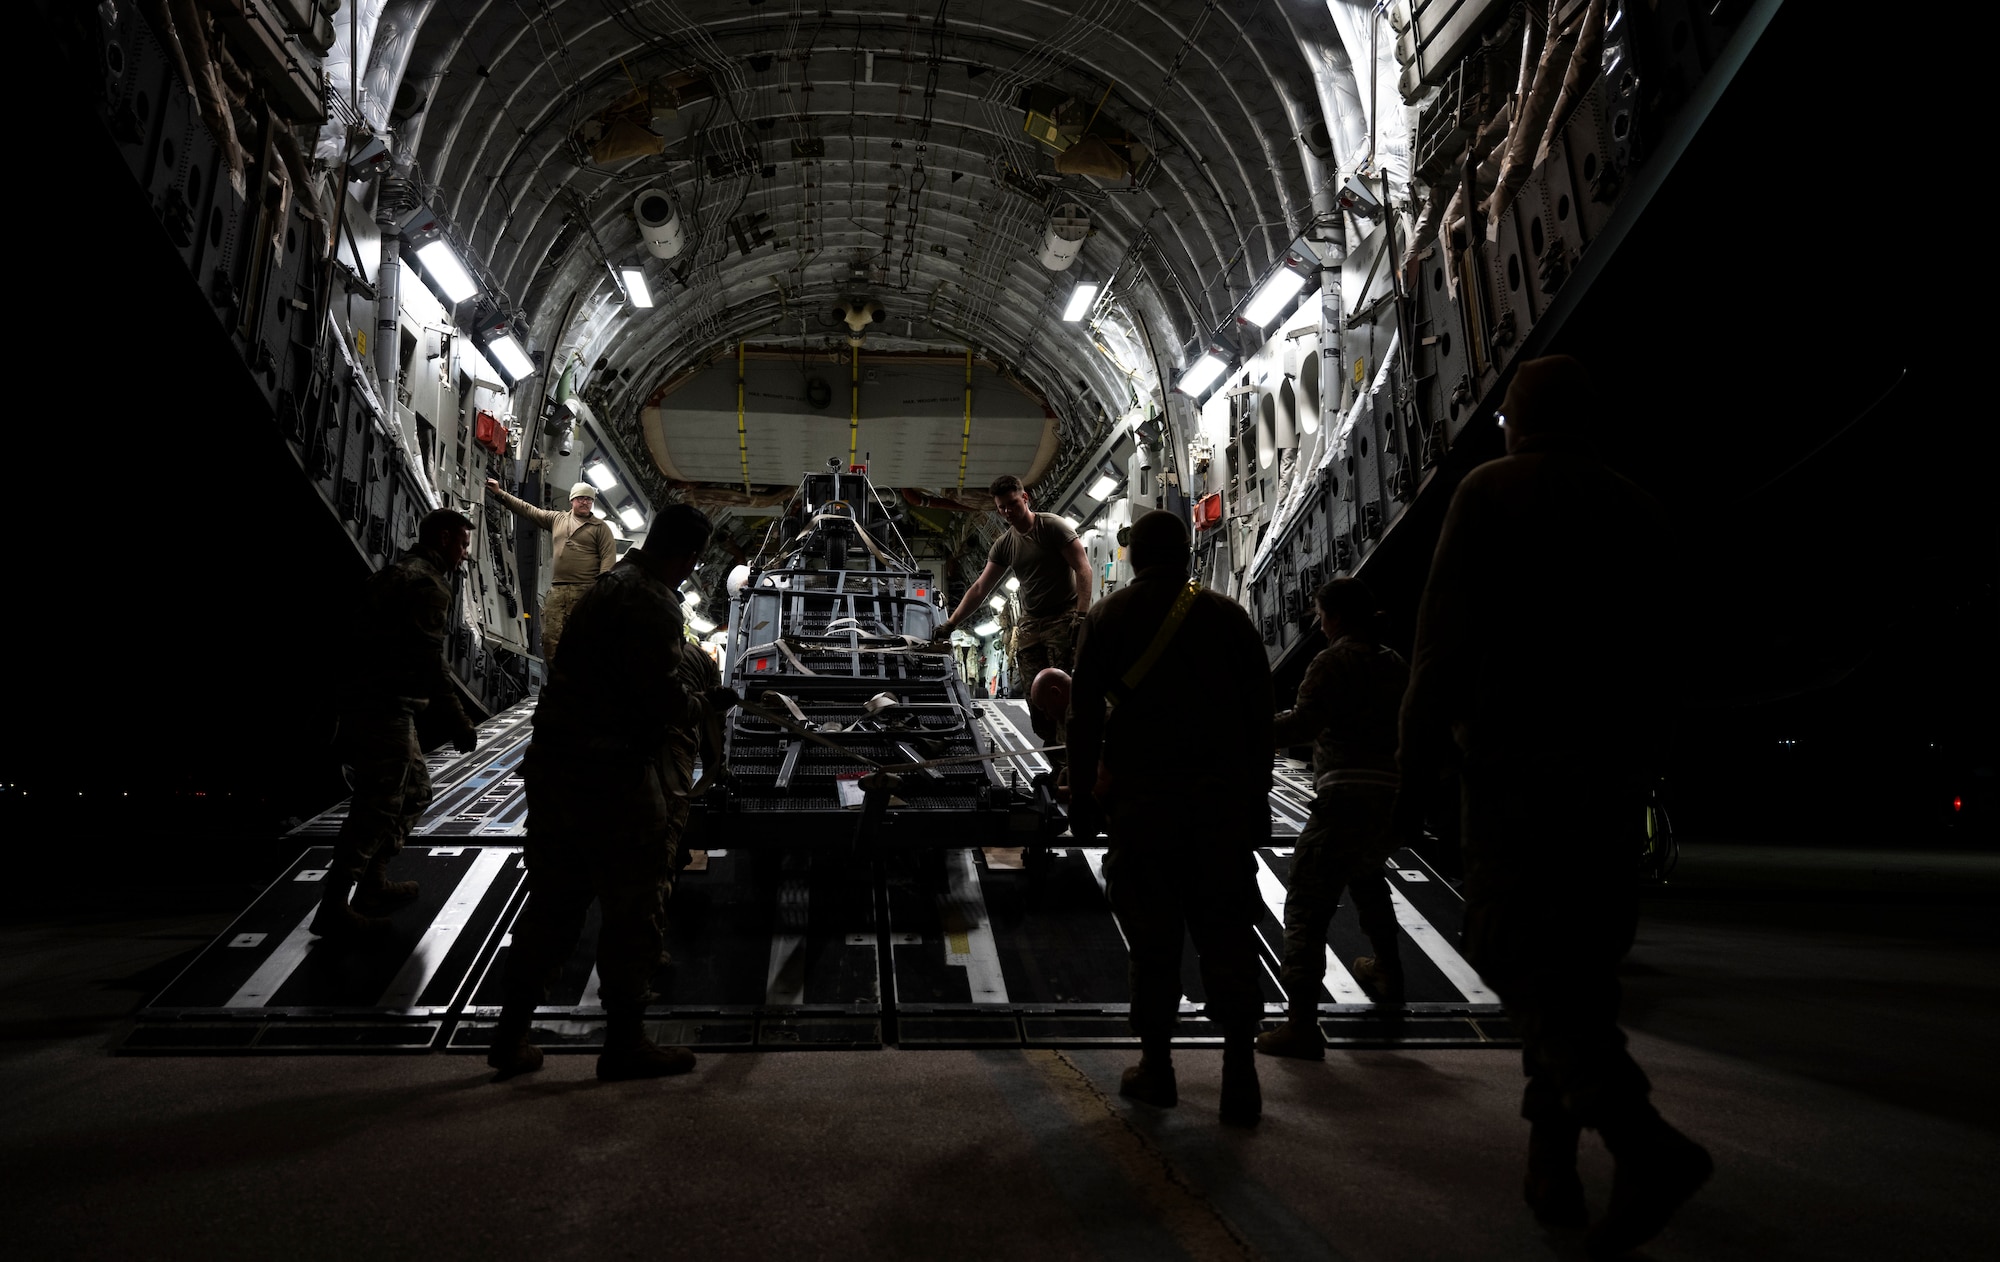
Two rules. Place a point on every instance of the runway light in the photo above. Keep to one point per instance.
(998, 603)
(632, 517)
(600, 476)
(635, 287)
(513, 360)
(701, 625)
(986, 628)
(1103, 487)
(447, 271)
(1201, 375)
(1080, 299)
(1272, 296)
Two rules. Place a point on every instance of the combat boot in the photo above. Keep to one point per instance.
(629, 1054)
(1299, 1038)
(1657, 1170)
(1242, 1098)
(511, 1053)
(1552, 1189)
(1151, 1081)
(336, 920)
(1381, 976)
(377, 892)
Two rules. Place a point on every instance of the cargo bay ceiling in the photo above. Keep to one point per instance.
(899, 160)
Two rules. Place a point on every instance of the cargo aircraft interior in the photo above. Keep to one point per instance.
(314, 269)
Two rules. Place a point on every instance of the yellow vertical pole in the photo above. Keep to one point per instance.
(742, 439)
(965, 440)
(854, 402)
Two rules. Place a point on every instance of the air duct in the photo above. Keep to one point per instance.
(860, 313)
(1062, 237)
(659, 223)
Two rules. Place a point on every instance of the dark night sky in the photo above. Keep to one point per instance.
(1798, 262)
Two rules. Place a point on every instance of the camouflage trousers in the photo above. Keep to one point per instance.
(556, 609)
(1551, 909)
(1040, 643)
(384, 766)
(1343, 847)
(599, 830)
(1178, 868)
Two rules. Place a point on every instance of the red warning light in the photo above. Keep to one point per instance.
(1957, 803)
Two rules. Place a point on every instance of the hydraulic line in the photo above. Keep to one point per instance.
(965, 440)
(854, 401)
(742, 440)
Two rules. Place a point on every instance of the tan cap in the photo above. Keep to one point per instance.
(584, 489)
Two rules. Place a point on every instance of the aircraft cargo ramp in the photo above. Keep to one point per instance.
(837, 944)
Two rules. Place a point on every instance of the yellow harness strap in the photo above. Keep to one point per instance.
(1161, 638)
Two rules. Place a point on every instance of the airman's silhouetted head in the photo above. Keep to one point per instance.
(1159, 538)
(1551, 395)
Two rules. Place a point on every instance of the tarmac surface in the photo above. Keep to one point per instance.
(1832, 1050)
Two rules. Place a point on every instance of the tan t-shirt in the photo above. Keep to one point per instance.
(1040, 559)
(583, 549)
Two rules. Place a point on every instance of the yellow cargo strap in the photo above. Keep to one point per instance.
(1161, 638)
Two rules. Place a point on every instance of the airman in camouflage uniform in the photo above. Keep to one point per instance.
(608, 778)
(1044, 552)
(582, 548)
(1347, 707)
(1180, 770)
(1540, 672)
(398, 669)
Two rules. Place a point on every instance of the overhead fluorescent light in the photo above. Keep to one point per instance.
(1080, 299)
(632, 517)
(1272, 296)
(600, 476)
(513, 360)
(447, 271)
(635, 287)
(986, 628)
(701, 625)
(998, 603)
(1103, 487)
(1201, 374)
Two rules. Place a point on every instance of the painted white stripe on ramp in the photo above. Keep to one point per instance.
(785, 977)
(968, 934)
(1339, 982)
(1433, 944)
(278, 966)
(442, 934)
(1094, 856)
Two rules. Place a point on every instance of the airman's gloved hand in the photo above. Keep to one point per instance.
(466, 739)
(722, 700)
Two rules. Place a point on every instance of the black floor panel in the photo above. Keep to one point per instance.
(268, 965)
(779, 950)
